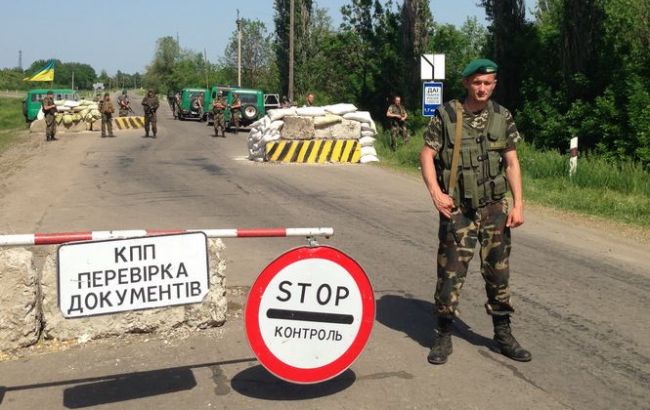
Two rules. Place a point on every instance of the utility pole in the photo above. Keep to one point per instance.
(73, 80)
(178, 42)
(238, 50)
(205, 63)
(20, 59)
(291, 48)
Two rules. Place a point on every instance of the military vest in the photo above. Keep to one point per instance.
(481, 176)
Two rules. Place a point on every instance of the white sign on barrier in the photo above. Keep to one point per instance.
(112, 276)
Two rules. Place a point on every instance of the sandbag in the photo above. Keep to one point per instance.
(327, 120)
(40, 115)
(367, 141)
(255, 135)
(59, 102)
(367, 134)
(71, 103)
(273, 136)
(310, 112)
(369, 127)
(280, 113)
(368, 158)
(276, 125)
(62, 108)
(67, 119)
(78, 108)
(340, 109)
(365, 151)
(361, 116)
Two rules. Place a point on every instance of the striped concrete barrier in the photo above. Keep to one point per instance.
(314, 151)
(127, 123)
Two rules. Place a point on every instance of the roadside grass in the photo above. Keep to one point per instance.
(618, 192)
(11, 120)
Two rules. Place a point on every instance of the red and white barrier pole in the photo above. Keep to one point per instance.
(65, 237)
(573, 160)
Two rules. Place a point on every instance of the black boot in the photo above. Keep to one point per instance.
(442, 347)
(506, 342)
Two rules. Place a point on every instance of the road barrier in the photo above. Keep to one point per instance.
(66, 237)
(125, 123)
(314, 151)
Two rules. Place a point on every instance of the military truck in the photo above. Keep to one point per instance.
(32, 104)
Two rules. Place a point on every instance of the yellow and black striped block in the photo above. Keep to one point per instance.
(314, 151)
(127, 123)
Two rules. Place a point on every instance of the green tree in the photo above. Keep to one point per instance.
(258, 62)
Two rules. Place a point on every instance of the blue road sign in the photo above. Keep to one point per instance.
(431, 98)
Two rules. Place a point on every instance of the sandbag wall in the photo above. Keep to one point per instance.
(71, 115)
(348, 131)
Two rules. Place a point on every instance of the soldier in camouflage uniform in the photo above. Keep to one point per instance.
(218, 111)
(150, 106)
(49, 109)
(397, 116)
(106, 109)
(235, 111)
(477, 210)
(123, 104)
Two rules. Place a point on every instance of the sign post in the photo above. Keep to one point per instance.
(131, 274)
(431, 98)
(309, 314)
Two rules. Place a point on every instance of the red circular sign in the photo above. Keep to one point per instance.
(309, 314)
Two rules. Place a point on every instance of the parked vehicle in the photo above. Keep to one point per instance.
(32, 104)
(186, 111)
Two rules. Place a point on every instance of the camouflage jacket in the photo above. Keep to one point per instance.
(46, 102)
(397, 110)
(150, 105)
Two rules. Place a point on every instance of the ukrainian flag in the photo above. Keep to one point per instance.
(45, 74)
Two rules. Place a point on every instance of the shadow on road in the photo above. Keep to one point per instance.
(114, 388)
(129, 387)
(416, 319)
(258, 383)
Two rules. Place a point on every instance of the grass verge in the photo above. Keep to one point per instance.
(618, 192)
(11, 120)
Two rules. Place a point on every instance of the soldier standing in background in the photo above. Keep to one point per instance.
(310, 100)
(397, 116)
(49, 109)
(218, 112)
(469, 191)
(106, 109)
(150, 106)
(123, 104)
(235, 111)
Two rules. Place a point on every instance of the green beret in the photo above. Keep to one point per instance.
(481, 66)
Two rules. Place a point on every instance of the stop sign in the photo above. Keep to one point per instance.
(309, 314)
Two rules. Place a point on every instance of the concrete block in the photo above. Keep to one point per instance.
(298, 128)
(344, 130)
(37, 126)
(210, 313)
(19, 322)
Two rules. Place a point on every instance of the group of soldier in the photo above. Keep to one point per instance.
(106, 109)
(219, 106)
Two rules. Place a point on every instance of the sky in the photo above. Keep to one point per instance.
(113, 36)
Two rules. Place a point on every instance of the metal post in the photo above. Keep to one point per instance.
(238, 50)
(291, 48)
(73, 80)
(573, 161)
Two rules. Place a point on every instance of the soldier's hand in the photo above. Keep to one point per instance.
(515, 217)
(444, 204)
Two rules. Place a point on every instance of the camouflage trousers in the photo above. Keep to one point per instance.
(50, 127)
(107, 123)
(150, 121)
(458, 238)
(124, 112)
(236, 117)
(398, 129)
(219, 123)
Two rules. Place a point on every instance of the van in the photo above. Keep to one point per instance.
(32, 104)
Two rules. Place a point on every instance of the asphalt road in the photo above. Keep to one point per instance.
(582, 289)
